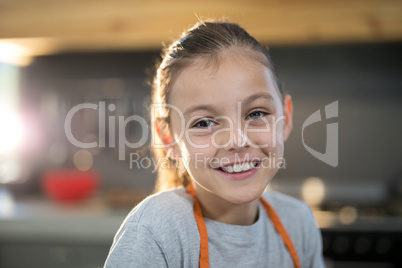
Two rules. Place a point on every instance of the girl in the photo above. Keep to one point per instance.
(222, 119)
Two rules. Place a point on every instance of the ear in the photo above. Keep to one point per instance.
(288, 113)
(162, 129)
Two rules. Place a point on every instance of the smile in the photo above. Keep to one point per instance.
(238, 168)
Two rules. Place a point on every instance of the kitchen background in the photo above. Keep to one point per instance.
(60, 205)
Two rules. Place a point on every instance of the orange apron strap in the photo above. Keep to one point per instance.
(281, 230)
(204, 254)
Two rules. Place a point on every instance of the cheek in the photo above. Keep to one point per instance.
(197, 142)
(262, 139)
(193, 153)
(269, 142)
(279, 132)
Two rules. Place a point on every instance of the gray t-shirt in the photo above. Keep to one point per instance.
(162, 232)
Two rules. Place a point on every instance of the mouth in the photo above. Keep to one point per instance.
(239, 168)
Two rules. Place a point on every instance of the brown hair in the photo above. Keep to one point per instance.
(207, 40)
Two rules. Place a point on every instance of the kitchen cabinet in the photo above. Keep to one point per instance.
(42, 234)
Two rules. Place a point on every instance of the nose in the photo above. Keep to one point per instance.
(237, 140)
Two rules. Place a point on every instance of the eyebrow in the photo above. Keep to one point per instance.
(193, 109)
(257, 96)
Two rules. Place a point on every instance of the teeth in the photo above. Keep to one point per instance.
(239, 167)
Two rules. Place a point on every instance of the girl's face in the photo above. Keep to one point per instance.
(229, 124)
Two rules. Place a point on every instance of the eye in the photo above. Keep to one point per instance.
(256, 115)
(204, 123)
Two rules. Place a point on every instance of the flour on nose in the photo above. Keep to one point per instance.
(241, 140)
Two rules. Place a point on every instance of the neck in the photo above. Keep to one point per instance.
(215, 208)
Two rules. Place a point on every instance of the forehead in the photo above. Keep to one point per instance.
(232, 78)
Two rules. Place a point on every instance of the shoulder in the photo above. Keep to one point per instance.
(287, 206)
(299, 221)
(295, 215)
(145, 235)
(161, 208)
(149, 230)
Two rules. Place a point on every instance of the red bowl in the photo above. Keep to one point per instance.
(70, 185)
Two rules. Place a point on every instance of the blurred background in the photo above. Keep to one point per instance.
(85, 65)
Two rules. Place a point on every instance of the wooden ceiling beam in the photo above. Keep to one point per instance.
(49, 26)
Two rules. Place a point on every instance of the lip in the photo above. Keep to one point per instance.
(240, 176)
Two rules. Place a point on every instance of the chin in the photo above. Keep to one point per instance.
(244, 196)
